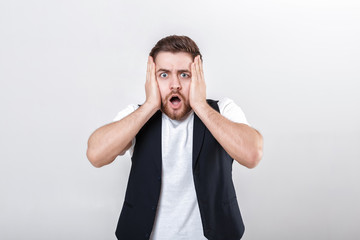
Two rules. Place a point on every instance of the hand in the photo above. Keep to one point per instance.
(197, 95)
(151, 86)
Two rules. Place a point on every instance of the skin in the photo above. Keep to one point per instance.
(175, 74)
(242, 142)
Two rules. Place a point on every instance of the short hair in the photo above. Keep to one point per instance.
(176, 44)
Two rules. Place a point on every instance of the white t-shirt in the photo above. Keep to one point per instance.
(178, 215)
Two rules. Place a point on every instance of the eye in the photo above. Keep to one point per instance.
(163, 75)
(184, 75)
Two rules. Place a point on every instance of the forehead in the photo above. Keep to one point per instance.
(169, 60)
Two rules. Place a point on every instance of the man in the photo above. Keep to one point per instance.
(182, 146)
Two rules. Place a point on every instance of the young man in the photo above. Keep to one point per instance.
(182, 147)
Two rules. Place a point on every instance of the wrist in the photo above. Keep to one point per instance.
(199, 106)
(151, 105)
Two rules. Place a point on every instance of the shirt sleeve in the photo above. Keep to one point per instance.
(120, 115)
(126, 111)
(229, 109)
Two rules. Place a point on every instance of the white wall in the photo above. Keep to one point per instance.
(67, 67)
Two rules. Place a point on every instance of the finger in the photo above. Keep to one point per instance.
(148, 69)
(152, 63)
(151, 68)
(153, 71)
(198, 67)
(201, 68)
(193, 72)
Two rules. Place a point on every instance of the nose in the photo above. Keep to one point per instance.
(175, 84)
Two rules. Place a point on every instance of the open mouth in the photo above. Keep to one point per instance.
(175, 101)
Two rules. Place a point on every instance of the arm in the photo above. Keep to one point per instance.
(240, 141)
(108, 141)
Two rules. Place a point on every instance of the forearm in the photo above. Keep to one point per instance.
(240, 141)
(107, 142)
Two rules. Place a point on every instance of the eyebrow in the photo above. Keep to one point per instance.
(166, 70)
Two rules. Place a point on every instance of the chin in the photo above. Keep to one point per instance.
(176, 114)
(175, 106)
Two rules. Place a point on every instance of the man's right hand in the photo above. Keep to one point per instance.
(152, 91)
(108, 141)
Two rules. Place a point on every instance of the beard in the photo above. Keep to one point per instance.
(177, 114)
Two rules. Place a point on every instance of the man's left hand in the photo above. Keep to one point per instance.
(197, 95)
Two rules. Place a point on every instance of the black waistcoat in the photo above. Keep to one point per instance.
(212, 171)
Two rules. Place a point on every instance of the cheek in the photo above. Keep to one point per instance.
(186, 88)
(163, 88)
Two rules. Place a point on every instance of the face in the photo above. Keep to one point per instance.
(173, 74)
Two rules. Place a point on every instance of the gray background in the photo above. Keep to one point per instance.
(67, 68)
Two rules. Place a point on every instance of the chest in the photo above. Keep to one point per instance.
(177, 142)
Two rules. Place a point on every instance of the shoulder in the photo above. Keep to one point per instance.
(232, 111)
(126, 111)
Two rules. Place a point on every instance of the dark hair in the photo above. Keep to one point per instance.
(175, 44)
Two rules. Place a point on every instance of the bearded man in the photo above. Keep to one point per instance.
(182, 147)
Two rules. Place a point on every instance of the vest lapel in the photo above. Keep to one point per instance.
(157, 139)
(198, 138)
